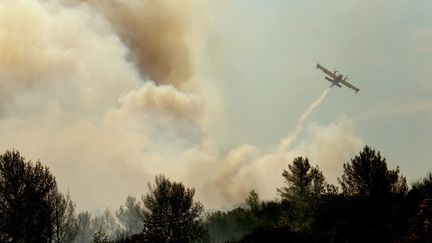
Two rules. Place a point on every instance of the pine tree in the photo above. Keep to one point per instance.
(302, 181)
(25, 207)
(253, 201)
(170, 214)
(304, 187)
(367, 175)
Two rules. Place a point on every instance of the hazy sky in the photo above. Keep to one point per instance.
(210, 92)
(270, 49)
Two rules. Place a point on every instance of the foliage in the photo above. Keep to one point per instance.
(170, 214)
(229, 226)
(253, 201)
(65, 222)
(367, 175)
(107, 224)
(304, 187)
(234, 224)
(421, 230)
(372, 207)
(25, 208)
(278, 234)
(121, 227)
(302, 181)
(100, 236)
(130, 217)
(31, 207)
(85, 230)
(424, 187)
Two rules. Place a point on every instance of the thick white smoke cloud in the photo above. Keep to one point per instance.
(247, 167)
(76, 93)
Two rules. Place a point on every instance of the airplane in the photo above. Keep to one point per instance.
(336, 79)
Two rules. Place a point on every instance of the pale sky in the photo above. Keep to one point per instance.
(270, 49)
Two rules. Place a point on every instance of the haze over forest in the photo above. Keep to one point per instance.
(221, 95)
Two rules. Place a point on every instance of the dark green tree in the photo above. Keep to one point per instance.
(420, 210)
(253, 201)
(25, 209)
(424, 187)
(373, 199)
(229, 226)
(304, 187)
(170, 213)
(421, 230)
(367, 175)
(302, 181)
(100, 236)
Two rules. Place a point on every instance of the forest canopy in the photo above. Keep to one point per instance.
(373, 204)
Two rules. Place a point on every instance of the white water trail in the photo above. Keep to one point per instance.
(285, 143)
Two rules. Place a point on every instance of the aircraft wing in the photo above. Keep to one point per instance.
(331, 74)
(344, 82)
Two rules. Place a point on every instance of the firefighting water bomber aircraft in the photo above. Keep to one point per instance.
(336, 79)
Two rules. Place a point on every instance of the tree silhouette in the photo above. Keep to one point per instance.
(304, 187)
(25, 209)
(130, 217)
(31, 207)
(65, 222)
(367, 175)
(170, 214)
(302, 181)
(373, 199)
(422, 228)
(253, 201)
(424, 187)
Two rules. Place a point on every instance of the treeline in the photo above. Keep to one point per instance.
(371, 203)
(33, 210)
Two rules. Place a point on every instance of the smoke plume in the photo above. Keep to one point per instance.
(247, 167)
(159, 34)
(110, 93)
(300, 123)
